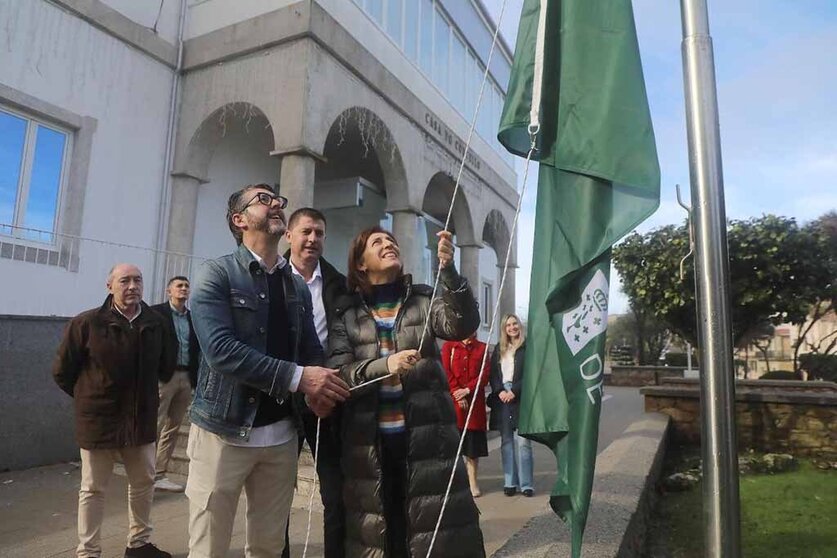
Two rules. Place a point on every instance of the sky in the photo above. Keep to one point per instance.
(776, 72)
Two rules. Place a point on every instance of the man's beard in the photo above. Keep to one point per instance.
(267, 226)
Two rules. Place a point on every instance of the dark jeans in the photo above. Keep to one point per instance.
(330, 480)
(394, 485)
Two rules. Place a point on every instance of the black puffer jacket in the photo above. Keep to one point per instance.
(431, 424)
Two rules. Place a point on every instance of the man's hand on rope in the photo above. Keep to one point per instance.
(402, 362)
(445, 249)
(323, 389)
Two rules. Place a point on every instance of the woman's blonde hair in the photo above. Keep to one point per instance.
(505, 341)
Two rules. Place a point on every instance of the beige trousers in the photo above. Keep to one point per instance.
(96, 470)
(217, 473)
(175, 396)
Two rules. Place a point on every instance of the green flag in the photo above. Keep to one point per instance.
(598, 179)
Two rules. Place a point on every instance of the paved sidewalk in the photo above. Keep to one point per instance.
(38, 506)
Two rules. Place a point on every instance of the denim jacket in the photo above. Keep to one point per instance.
(230, 302)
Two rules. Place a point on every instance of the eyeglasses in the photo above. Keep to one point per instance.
(267, 199)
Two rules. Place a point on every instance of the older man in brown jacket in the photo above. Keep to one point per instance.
(109, 361)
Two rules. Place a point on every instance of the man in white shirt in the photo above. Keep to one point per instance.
(306, 237)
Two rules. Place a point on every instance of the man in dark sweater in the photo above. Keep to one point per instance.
(306, 237)
(254, 322)
(178, 379)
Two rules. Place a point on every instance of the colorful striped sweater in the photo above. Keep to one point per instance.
(384, 303)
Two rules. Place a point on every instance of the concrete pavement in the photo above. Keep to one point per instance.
(38, 506)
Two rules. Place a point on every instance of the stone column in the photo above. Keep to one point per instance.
(296, 180)
(180, 236)
(407, 229)
(507, 296)
(469, 263)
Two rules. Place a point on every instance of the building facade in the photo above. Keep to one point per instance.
(125, 126)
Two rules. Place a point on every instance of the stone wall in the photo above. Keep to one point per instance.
(801, 423)
(37, 417)
(638, 376)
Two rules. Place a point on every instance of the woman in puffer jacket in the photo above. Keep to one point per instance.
(399, 429)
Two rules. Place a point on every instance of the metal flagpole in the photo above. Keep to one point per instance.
(718, 448)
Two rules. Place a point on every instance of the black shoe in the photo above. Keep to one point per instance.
(509, 490)
(528, 492)
(147, 550)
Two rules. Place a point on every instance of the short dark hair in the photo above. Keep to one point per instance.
(177, 278)
(356, 279)
(234, 206)
(309, 212)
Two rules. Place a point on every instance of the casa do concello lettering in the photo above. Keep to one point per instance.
(451, 140)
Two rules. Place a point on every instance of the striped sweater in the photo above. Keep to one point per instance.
(384, 303)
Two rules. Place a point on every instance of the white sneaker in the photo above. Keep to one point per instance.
(167, 485)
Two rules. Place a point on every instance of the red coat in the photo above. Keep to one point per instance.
(462, 365)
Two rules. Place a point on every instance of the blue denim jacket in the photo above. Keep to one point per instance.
(230, 302)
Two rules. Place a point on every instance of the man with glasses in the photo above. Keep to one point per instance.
(255, 325)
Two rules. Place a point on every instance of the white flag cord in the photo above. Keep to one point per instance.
(534, 128)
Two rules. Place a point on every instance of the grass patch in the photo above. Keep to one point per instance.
(787, 514)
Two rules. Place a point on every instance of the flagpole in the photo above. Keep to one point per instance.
(718, 447)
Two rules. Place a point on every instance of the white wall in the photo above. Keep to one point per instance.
(145, 12)
(206, 16)
(241, 158)
(57, 58)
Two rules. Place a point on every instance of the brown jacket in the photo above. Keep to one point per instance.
(110, 367)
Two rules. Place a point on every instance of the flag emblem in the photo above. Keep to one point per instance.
(589, 319)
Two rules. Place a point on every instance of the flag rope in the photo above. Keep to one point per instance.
(532, 149)
(313, 489)
(533, 130)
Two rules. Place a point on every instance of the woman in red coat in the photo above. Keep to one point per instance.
(461, 360)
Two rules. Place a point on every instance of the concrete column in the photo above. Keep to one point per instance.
(411, 239)
(296, 180)
(507, 297)
(469, 264)
(183, 212)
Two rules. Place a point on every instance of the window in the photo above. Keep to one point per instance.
(441, 42)
(411, 21)
(33, 157)
(487, 304)
(457, 73)
(394, 8)
(375, 8)
(426, 38)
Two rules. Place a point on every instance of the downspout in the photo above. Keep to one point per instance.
(165, 191)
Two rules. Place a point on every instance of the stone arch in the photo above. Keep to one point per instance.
(497, 234)
(359, 141)
(214, 127)
(437, 201)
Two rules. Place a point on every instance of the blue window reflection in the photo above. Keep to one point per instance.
(45, 180)
(12, 143)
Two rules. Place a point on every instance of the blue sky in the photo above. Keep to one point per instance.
(776, 70)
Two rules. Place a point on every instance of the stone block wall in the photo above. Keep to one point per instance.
(37, 417)
(800, 423)
(638, 376)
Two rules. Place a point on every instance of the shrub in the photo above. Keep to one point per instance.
(819, 367)
(779, 375)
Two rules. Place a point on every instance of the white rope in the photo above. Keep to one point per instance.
(485, 355)
(313, 488)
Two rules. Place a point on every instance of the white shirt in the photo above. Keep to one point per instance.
(315, 285)
(507, 366)
(280, 432)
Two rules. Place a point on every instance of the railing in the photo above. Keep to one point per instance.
(43, 273)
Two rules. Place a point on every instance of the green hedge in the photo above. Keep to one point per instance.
(819, 367)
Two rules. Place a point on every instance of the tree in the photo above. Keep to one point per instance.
(775, 269)
(822, 290)
(641, 331)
